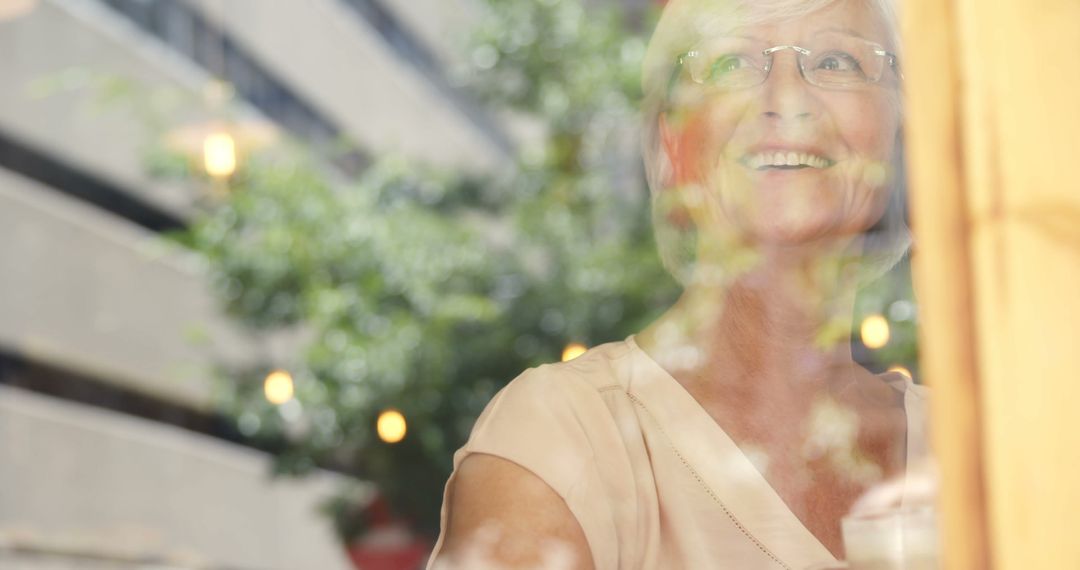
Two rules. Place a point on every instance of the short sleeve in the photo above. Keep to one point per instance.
(549, 422)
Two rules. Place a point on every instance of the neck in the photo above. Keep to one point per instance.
(772, 337)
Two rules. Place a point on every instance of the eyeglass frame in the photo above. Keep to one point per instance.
(890, 60)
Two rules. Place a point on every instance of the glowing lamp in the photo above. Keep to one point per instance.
(391, 426)
(278, 387)
(874, 331)
(900, 369)
(219, 154)
(573, 350)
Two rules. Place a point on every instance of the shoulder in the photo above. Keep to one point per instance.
(598, 369)
(919, 391)
(553, 418)
(561, 391)
(905, 386)
(915, 398)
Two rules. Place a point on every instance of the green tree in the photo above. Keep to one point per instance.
(426, 290)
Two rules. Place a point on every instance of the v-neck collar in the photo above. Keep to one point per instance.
(726, 471)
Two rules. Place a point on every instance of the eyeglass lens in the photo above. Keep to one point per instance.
(834, 60)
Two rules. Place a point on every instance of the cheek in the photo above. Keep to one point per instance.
(704, 134)
(867, 126)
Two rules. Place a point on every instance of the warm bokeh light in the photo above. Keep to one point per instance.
(391, 426)
(278, 387)
(874, 331)
(573, 350)
(901, 369)
(219, 154)
(246, 134)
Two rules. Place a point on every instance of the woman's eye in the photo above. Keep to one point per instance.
(838, 61)
(726, 64)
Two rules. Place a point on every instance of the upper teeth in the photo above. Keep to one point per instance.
(763, 159)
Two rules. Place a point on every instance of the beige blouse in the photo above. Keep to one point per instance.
(649, 475)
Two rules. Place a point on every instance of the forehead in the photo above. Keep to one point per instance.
(770, 24)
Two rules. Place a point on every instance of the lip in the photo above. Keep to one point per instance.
(786, 146)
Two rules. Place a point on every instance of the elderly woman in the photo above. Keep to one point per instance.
(737, 430)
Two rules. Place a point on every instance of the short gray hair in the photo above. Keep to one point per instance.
(684, 23)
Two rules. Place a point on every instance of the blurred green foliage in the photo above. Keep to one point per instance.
(892, 297)
(426, 290)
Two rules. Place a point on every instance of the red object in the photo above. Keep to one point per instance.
(409, 555)
(389, 544)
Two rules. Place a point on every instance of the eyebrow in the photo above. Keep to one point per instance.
(721, 38)
(848, 31)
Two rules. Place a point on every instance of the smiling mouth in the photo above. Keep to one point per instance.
(780, 160)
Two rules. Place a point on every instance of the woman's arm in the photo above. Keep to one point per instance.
(501, 515)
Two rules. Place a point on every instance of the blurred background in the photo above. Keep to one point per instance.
(263, 263)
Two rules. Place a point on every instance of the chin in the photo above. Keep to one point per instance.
(773, 233)
(823, 223)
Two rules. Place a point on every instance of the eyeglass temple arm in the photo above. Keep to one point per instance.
(677, 71)
(893, 62)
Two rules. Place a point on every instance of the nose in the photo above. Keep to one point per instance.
(786, 96)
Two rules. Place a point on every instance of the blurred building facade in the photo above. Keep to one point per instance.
(110, 453)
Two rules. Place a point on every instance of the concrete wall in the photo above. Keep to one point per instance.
(81, 479)
(332, 57)
(86, 290)
(54, 61)
(321, 49)
(443, 25)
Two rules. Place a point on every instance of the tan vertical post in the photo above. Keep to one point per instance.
(993, 138)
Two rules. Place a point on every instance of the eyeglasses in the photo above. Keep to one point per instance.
(830, 61)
